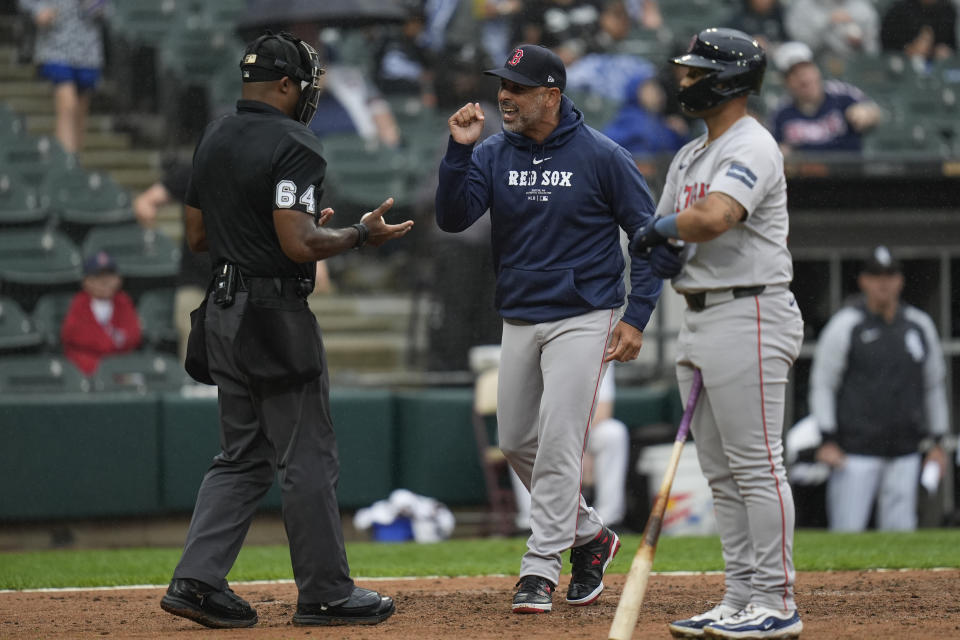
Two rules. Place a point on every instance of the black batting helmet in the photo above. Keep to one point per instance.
(735, 65)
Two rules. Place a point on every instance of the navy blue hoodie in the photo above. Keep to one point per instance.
(556, 210)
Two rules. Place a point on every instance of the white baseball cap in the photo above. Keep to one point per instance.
(790, 54)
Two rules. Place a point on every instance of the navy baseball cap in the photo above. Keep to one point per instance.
(99, 262)
(533, 66)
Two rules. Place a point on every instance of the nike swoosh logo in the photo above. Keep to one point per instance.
(535, 161)
(870, 335)
(683, 166)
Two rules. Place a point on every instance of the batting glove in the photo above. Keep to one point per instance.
(665, 261)
(646, 238)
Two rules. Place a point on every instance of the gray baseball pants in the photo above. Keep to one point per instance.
(744, 349)
(550, 373)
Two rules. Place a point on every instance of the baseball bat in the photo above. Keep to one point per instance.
(628, 608)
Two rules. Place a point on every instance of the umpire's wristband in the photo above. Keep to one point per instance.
(362, 234)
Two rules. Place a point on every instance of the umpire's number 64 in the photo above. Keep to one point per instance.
(287, 196)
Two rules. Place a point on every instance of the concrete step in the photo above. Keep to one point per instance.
(25, 89)
(30, 104)
(330, 324)
(365, 352)
(109, 159)
(136, 179)
(17, 72)
(102, 140)
(43, 123)
(8, 53)
(372, 305)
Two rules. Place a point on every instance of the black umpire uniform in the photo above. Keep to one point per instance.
(257, 340)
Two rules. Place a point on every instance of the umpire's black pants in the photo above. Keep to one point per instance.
(265, 430)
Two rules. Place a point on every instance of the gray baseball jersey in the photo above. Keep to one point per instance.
(746, 164)
(744, 343)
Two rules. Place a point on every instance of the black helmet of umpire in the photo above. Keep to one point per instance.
(735, 64)
(273, 56)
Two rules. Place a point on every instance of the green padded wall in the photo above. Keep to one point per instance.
(366, 439)
(363, 421)
(105, 454)
(436, 448)
(79, 456)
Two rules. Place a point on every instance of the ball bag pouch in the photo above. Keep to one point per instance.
(278, 341)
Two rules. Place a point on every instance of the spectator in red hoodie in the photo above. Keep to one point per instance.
(102, 319)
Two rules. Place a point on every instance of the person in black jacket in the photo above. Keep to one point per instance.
(876, 392)
(253, 202)
(923, 29)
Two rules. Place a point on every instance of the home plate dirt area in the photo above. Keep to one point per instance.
(898, 605)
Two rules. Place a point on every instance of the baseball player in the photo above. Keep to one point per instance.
(558, 193)
(725, 197)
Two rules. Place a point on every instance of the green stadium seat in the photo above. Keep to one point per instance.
(221, 12)
(37, 261)
(17, 332)
(197, 54)
(85, 198)
(361, 178)
(144, 21)
(48, 315)
(11, 123)
(905, 139)
(138, 252)
(155, 308)
(597, 110)
(139, 372)
(19, 204)
(40, 374)
(33, 157)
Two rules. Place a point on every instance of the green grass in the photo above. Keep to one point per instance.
(814, 551)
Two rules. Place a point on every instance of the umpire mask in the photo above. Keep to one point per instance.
(273, 56)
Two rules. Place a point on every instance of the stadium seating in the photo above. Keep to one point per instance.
(87, 198)
(17, 332)
(11, 123)
(361, 178)
(37, 261)
(48, 315)
(32, 157)
(144, 21)
(138, 252)
(19, 204)
(155, 308)
(139, 372)
(40, 374)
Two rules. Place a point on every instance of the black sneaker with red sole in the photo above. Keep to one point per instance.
(534, 595)
(589, 562)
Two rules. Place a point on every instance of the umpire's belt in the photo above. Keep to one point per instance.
(275, 287)
(704, 299)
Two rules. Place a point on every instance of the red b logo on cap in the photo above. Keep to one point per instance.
(515, 60)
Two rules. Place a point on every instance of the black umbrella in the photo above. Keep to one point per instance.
(282, 14)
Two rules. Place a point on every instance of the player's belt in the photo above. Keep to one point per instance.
(276, 287)
(704, 299)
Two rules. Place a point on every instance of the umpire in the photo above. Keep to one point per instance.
(252, 203)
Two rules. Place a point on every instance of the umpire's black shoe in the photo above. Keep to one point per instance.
(198, 601)
(534, 595)
(589, 562)
(362, 607)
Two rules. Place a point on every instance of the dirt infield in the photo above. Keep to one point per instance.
(901, 605)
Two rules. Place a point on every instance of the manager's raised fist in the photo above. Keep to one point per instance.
(466, 124)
